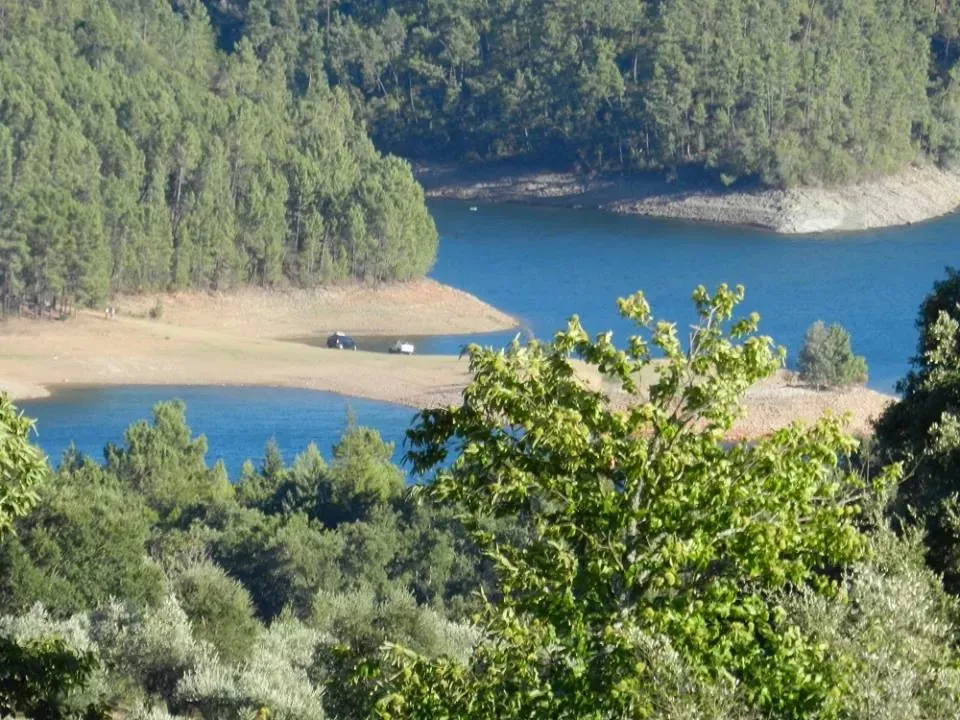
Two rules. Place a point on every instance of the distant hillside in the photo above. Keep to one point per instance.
(790, 91)
(135, 155)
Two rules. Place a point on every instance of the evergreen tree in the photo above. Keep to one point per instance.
(788, 91)
(135, 156)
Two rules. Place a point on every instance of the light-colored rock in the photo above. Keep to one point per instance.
(917, 193)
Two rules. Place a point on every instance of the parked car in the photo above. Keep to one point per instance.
(341, 341)
(402, 348)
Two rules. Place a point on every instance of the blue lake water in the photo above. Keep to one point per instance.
(238, 422)
(542, 264)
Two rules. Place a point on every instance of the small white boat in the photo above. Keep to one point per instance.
(474, 208)
(401, 348)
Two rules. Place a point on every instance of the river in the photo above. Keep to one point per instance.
(542, 264)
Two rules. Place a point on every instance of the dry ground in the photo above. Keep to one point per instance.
(778, 401)
(421, 307)
(237, 340)
(913, 195)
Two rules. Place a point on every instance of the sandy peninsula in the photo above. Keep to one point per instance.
(239, 339)
(917, 193)
(243, 339)
(420, 307)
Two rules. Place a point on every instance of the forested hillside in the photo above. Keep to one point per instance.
(791, 91)
(135, 155)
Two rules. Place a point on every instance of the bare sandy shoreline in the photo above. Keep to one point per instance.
(419, 307)
(917, 193)
(235, 340)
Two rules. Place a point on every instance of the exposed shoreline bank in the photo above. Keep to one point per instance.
(916, 194)
(90, 352)
(770, 405)
(238, 339)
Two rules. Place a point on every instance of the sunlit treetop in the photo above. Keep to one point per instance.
(648, 532)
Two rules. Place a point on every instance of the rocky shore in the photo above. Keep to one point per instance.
(917, 193)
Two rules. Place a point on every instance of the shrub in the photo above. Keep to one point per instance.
(892, 626)
(145, 711)
(155, 648)
(49, 667)
(827, 359)
(274, 678)
(219, 609)
(359, 622)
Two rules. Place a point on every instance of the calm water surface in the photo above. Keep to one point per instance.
(238, 422)
(543, 264)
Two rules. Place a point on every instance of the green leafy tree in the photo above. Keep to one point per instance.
(282, 562)
(787, 92)
(360, 478)
(166, 466)
(922, 430)
(23, 468)
(84, 543)
(135, 155)
(359, 622)
(647, 528)
(826, 358)
(37, 677)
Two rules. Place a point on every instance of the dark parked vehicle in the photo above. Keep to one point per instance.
(340, 341)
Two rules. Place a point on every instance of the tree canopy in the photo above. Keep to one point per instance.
(791, 91)
(922, 431)
(648, 530)
(136, 156)
(23, 467)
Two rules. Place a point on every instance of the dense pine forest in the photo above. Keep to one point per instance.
(150, 144)
(134, 155)
(790, 91)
